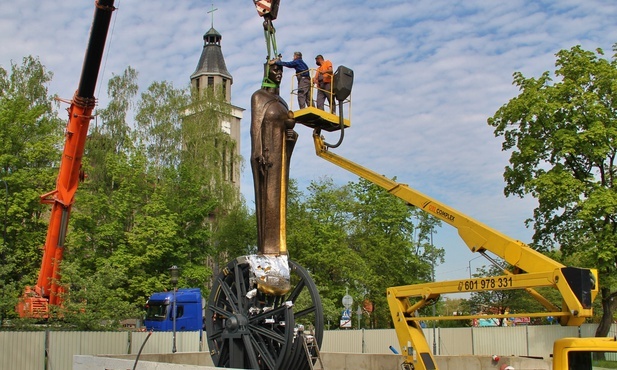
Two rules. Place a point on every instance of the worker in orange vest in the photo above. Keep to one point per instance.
(323, 81)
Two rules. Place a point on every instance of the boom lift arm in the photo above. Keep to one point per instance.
(35, 303)
(578, 287)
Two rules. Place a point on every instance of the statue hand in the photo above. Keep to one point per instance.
(291, 135)
(259, 159)
(290, 121)
(262, 163)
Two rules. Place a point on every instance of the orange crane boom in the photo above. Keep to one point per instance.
(35, 302)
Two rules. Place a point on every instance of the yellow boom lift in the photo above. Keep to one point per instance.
(578, 287)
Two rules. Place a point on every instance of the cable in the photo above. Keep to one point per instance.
(111, 35)
(342, 127)
(141, 348)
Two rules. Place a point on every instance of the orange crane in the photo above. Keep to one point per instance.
(35, 301)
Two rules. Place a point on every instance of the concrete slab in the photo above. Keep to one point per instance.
(331, 361)
(97, 363)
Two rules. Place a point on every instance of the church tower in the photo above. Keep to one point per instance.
(211, 72)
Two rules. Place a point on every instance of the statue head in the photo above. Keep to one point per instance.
(273, 75)
(276, 73)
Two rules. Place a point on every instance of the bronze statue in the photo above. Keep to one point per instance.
(273, 140)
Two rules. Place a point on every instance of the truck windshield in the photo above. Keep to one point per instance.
(604, 360)
(156, 311)
(584, 360)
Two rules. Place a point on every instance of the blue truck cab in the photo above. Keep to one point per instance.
(189, 310)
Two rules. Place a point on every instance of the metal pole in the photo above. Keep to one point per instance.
(2, 258)
(173, 349)
(435, 303)
(6, 209)
(174, 272)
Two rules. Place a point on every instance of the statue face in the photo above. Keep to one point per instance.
(276, 73)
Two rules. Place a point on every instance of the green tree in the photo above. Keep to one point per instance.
(114, 217)
(202, 192)
(121, 90)
(393, 236)
(501, 301)
(30, 137)
(359, 237)
(453, 307)
(236, 234)
(154, 196)
(562, 136)
(317, 239)
(110, 134)
(158, 119)
(95, 301)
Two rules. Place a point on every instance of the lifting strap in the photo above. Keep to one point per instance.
(268, 9)
(270, 36)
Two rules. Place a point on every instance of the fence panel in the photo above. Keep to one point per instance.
(588, 330)
(541, 338)
(500, 341)
(348, 341)
(63, 345)
(162, 342)
(159, 342)
(26, 350)
(378, 341)
(455, 341)
(22, 350)
(104, 343)
(188, 341)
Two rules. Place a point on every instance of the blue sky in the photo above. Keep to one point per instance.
(427, 76)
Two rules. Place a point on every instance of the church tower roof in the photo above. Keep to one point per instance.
(212, 62)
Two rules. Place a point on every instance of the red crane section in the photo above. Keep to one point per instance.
(35, 302)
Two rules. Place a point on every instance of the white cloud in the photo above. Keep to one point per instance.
(427, 76)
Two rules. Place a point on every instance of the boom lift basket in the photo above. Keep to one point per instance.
(326, 119)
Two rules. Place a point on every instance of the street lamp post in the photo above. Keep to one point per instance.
(174, 272)
(4, 247)
(6, 209)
